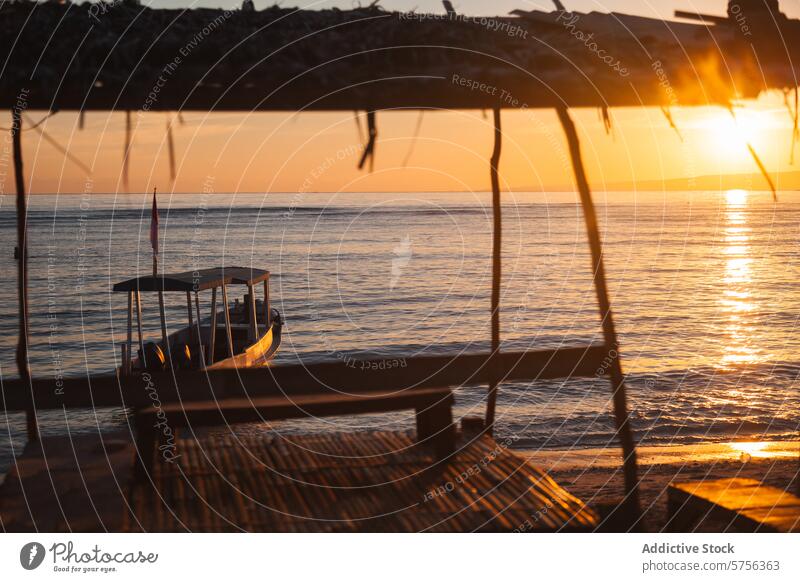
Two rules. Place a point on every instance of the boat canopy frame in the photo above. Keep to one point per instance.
(198, 280)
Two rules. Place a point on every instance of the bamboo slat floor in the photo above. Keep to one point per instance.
(365, 481)
(375, 481)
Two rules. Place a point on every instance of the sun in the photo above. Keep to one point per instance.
(736, 197)
(729, 135)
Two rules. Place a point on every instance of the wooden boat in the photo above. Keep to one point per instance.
(244, 335)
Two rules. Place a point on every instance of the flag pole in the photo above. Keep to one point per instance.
(154, 244)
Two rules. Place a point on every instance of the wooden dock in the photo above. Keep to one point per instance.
(344, 482)
(741, 505)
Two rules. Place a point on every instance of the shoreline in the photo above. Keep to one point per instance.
(743, 451)
(595, 475)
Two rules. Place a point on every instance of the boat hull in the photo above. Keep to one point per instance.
(245, 355)
(258, 354)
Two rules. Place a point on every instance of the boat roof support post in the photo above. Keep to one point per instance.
(23, 366)
(267, 311)
(227, 310)
(251, 308)
(497, 239)
(631, 504)
(138, 297)
(163, 316)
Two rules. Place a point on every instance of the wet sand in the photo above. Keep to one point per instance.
(595, 475)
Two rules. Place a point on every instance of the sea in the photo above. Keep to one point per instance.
(705, 288)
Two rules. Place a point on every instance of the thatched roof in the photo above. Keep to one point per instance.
(123, 56)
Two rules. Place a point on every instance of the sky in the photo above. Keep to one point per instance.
(318, 152)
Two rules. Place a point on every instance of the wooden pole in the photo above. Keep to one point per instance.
(621, 417)
(161, 311)
(200, 357)
(138, 298)
(126, 153)
(189, 308)
(22, 267)
(497, 240)
(213, 340)
(227, 310)
(126, 365)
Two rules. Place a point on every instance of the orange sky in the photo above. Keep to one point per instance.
(313, 152)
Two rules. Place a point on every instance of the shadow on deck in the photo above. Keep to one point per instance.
(367, 481)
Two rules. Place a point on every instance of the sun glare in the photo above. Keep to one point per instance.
(761, 450)
(736, 197)
(730, 136)
(749, 448)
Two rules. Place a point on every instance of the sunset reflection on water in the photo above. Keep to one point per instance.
(763, 450)
(736, 300)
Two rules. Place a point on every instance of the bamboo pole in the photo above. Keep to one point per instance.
(621, 416)
(497, 239)
(22, 267)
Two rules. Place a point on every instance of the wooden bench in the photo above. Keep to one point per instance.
(433, 408)
(745, 504)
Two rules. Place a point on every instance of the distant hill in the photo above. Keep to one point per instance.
(783, 181)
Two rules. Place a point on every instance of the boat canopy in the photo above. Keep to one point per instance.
(199, 280)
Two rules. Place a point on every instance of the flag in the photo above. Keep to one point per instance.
(154, 225)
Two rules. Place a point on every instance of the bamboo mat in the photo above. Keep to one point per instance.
(369, 481)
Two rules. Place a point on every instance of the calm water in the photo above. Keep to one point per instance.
(705, 288)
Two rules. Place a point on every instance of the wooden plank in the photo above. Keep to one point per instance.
(353, 376)
(748, 504)
(433, 414)
(233, 410)
(349, 377)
